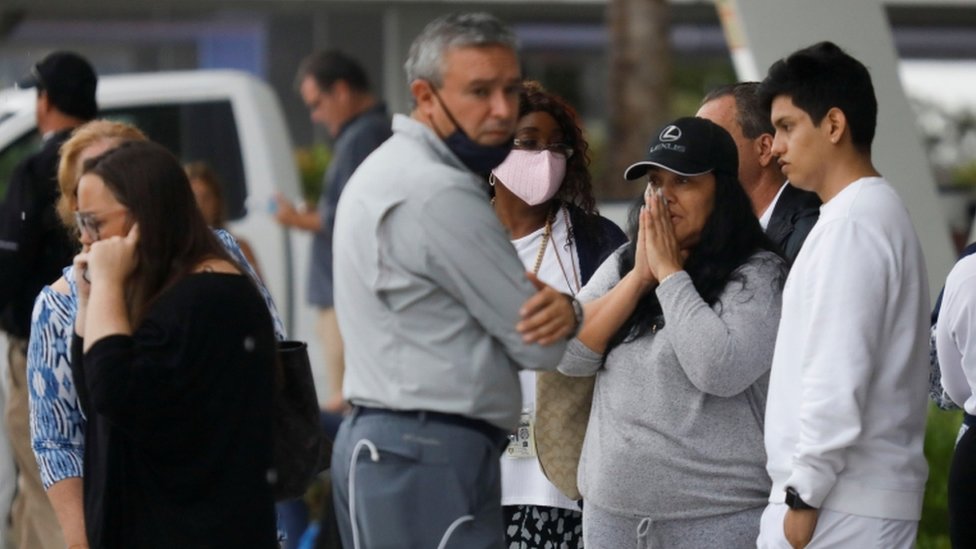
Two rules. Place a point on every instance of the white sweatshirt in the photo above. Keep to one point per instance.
(845, 415)
(955, 334)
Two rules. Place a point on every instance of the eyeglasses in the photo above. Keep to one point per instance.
(89, 225)
(561, 149)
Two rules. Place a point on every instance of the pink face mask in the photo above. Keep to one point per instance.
(533, 176)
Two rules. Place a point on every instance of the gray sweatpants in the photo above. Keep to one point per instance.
(603, 529)
(433, 485)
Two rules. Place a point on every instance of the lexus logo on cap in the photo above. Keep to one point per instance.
(669, 134)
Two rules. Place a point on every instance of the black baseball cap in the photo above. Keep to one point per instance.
(689, 146)
(69, 81)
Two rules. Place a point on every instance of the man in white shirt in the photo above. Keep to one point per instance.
(785, 212)
(845, 416)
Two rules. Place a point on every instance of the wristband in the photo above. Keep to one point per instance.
(669, 277)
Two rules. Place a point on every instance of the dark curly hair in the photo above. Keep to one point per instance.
(731, 236)
(577, 187)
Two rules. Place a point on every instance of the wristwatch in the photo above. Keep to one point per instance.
(794, 501)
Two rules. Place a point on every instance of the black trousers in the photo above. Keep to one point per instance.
(962, 489)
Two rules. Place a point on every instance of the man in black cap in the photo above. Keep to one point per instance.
(34, 248)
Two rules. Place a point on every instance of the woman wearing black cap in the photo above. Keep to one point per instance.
(679, 330)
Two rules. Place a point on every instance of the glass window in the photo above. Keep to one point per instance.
(204, 131)
(24, 146)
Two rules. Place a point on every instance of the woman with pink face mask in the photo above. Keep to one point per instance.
(542, 193)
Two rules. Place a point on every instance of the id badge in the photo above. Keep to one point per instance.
(521, 443)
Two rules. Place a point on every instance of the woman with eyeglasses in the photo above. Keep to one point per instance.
(542, 194)
(173, 360)
(56, 421)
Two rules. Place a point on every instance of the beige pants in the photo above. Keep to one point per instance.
(335, 366)
(34, 524)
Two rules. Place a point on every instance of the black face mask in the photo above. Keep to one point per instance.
(478, 158)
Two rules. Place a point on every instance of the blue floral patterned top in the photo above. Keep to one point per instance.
(56, 421)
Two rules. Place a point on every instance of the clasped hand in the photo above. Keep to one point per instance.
(658, 254)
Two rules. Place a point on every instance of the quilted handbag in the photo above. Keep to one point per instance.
(562, 410)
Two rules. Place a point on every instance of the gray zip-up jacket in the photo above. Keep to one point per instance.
(428, 286)
(676, 429)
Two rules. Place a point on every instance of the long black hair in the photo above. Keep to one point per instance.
(731, 235)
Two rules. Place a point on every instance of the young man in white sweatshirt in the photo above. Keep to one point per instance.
(845, 415)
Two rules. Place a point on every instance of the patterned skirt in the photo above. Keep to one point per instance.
(537, 527)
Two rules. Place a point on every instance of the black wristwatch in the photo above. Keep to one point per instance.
(794, 501)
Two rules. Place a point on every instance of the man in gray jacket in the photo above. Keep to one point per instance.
(436, 310)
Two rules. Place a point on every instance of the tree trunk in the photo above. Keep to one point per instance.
(640, 86)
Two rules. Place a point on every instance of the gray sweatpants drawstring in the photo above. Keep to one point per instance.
(644, 534)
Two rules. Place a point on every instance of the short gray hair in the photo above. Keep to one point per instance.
(457, 30)
(751, 116)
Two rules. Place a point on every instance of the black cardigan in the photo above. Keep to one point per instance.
(595, 239)
(178, 439)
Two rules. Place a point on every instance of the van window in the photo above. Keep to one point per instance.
(196, 131)
(17, 151)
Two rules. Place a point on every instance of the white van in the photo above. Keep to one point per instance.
(230, 119)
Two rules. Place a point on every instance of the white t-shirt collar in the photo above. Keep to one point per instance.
(768, 212)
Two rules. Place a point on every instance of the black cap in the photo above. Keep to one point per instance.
(69, 81)
(689, 146)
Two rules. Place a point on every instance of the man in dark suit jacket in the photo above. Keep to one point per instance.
(34, 248)
(786, 213)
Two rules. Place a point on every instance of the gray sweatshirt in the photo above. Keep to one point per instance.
(428, 286)
(676, 429)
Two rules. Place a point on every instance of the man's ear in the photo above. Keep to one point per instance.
(423, 96)
(764, 149)
(834, 125)
(43, 103)
(340, 92)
